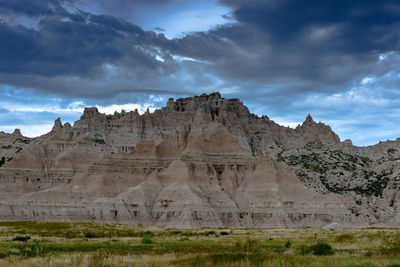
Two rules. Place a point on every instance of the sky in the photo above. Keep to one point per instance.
(338, 60)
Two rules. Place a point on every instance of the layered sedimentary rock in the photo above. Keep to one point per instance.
(199, 161)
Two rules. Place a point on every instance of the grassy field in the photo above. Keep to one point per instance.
(89, 244)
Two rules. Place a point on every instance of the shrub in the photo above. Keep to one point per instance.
(224, 233)
(94, 235)
(146, 239)
(288, 244)
(149, 233)
(99, 141)
(208, 233)
(175, 232)
(90, 235)
(21, 238)
(4, 252)
(321, 248)
(369, 253)
(71, 234)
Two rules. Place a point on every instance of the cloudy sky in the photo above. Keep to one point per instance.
(338, 60)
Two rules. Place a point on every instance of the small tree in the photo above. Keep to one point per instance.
(146, 239)
(2, 161)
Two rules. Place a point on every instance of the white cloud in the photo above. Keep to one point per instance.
(74, 109)
(382, 57)
(283, 122)
(77, 106)
(367, 80)
(181, 59)
(193, 18)
(14, 107)
(127, 107)
(28, 130)
(159, 58)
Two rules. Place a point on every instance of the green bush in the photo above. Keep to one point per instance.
(175, 232)
(208, 233)
(90, 235)
(288, 244)
(95, 235)
(146, 239)
(21, 238)
(369, 253)
(224, 233)
(321, 248)
(4, 252)
(149, 233)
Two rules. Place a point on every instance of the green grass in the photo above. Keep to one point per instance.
(90, 244)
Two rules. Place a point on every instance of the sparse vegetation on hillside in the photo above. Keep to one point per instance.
(338, 171)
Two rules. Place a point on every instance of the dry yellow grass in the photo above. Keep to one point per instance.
(83, 244)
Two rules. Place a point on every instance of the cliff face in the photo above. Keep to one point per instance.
(199, 161)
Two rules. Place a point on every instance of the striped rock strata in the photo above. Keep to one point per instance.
(202, 161)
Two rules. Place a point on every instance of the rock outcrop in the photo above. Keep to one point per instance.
(199, 161)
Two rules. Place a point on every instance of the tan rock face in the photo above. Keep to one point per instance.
(199, 161)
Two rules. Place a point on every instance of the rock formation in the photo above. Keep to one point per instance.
(199, 161)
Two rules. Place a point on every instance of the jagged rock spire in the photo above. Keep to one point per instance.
(90, 112)
(308, 120)
(57, 124)
(17, 132)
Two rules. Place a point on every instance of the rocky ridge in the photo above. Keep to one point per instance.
(199, 161)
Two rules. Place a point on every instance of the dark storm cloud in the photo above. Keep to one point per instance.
(127, 9)
(359, 26)
(322, 45)
(274, 48)
(76, 45)
(32, 7)
(95, 56)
